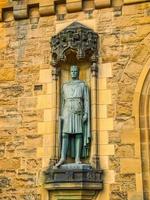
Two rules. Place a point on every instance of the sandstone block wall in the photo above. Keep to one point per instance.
(26, 90)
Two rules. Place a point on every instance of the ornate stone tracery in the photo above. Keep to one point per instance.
(78, 38)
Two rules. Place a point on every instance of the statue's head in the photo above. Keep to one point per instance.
(74, 70)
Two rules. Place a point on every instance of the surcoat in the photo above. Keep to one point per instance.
(74, 105)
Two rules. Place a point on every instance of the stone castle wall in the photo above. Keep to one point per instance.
(26, 89)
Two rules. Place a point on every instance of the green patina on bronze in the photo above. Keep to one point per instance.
(75, 119)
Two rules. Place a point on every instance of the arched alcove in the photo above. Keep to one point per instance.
(84, 74)
(76, 44)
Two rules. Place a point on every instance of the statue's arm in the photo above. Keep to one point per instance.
(86, 103)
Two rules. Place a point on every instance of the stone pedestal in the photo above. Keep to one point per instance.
(73, 181)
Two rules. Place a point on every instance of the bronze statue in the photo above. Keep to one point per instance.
(75, 119)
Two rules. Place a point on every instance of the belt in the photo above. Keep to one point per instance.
(74, 98)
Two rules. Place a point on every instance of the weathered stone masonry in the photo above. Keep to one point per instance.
(26, 89)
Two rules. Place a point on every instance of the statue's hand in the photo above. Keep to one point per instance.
(85, 117)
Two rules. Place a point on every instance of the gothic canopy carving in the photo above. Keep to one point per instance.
(77, 37)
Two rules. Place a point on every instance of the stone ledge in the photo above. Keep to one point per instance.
(79, 175)
(71, 186)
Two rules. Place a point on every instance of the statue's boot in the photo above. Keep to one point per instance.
(78, 146)
(64, 149)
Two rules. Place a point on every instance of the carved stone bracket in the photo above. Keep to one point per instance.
(74, 175)
(78, 38)
(81, 178)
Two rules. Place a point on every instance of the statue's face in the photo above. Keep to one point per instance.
(74, 72)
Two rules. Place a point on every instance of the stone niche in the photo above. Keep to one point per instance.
(76, 44)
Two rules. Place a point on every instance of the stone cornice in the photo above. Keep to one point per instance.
(20, 8)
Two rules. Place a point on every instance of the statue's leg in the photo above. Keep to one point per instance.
(65, 140)
(78, 147)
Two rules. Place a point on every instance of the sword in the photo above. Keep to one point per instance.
(60, 134)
